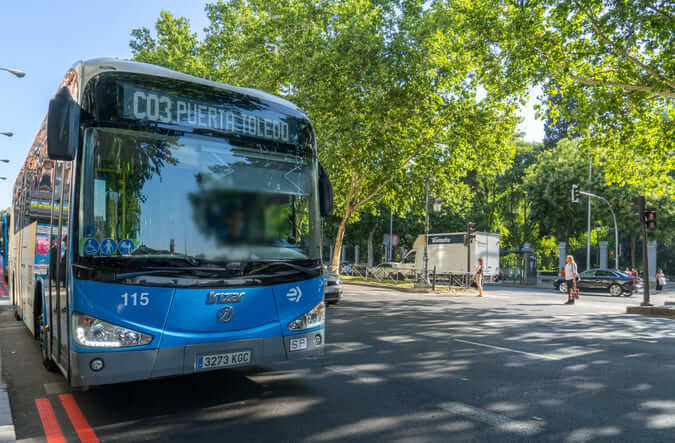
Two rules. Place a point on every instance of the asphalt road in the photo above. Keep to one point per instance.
(515, 365)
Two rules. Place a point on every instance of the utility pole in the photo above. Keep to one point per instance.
(426, 234)
(588, 230)
(391, 233)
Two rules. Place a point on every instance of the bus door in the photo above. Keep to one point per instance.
(58, 287)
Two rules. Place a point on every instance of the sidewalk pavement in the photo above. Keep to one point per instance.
(7, 433)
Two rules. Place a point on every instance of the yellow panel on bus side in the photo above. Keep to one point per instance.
(27, 279)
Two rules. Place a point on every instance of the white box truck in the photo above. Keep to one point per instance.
(448, 254)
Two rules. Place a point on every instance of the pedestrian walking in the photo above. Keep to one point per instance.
(571, 276)
(627, 271)
(660, 280)
(478, 276)
(634, 272)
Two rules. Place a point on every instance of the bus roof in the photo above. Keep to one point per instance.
(93, 67)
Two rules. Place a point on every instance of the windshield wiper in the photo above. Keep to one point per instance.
(143, 251)
(190, 270)
(314, 272)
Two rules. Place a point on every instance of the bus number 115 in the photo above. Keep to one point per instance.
(135, 300)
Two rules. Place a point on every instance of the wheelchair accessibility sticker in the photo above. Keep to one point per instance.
(91, 246)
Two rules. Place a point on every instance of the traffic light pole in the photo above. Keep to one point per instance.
(645, 264)
(616, 229)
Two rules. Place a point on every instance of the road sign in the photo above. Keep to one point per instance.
(394, 240)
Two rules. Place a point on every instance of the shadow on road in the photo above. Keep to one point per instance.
(418, 369)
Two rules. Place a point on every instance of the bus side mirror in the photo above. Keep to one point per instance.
(325, 193)
(63, 126)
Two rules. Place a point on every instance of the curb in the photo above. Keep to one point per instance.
(7, 431)
(651, 311)
(405, 290)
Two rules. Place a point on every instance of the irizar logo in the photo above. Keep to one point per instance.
(294, 294)
(223, 297)
(225, 314)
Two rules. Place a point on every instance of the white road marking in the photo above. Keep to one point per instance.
(361, 377)
(546, 357)
(564, 354)
(500, 422)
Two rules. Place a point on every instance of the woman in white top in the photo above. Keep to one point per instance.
(660, 280)
(570, 278)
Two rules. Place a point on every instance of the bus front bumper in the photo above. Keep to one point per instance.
(130, 365)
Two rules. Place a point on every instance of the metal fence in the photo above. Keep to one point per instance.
(450, 279)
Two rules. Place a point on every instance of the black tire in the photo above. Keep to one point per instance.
(615, 290)
(47, 362)
(563, 287)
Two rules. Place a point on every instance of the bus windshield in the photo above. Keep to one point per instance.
(150, 195)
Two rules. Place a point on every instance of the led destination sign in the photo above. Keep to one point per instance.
(146, 104)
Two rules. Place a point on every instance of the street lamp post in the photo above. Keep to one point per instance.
(14, 71)
(616, 229)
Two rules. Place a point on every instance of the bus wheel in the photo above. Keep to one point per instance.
(46, 361)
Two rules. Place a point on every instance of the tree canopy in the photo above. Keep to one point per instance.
(614, 59)
(390, 86)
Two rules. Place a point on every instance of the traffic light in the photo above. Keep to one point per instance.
(575, 193)
(649, 218)
(639, 208)
(470, 233)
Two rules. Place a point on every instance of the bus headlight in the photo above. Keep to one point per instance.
(309, 320)
(94, 333)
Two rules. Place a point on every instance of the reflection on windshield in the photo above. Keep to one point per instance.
(149, 195)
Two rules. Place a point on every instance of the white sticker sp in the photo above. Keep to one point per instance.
(294, 294)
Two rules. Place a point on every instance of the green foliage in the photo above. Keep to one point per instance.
(615, 60)
(392, 89)
(390, 86)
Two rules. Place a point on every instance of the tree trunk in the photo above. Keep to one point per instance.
(337, 250)
(371, 260)
(633, 248)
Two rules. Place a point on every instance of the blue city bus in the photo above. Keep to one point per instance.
(184, 227)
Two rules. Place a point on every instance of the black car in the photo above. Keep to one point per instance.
(603, 281)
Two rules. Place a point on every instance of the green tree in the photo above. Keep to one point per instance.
(615, 59)
(548, 185)
(557, 127)
(391, 87)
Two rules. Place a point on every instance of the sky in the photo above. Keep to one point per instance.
(44, 39)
